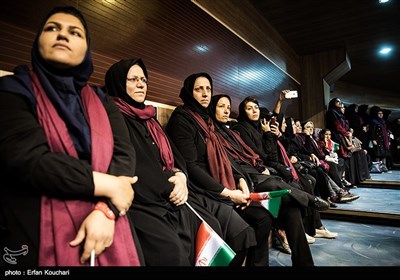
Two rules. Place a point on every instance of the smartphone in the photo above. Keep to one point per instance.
(273, 120)
(291, 94)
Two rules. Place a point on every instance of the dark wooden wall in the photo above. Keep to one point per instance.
(174, 38)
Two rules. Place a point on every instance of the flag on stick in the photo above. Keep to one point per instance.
(335, 147)
(211, 249)
(270, 200)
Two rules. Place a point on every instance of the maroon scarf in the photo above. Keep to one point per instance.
(287, 161)
(319, 153)
(157, 133)
(218, 160)
(61, 219)
(246, 154)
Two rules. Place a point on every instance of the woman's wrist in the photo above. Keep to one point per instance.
(176, 170)
(103, 207)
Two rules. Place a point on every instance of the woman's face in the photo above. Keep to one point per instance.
(309, 128)
(283, 125)
(62, 42)
(252, 111)
(342, 108)
(297, 127)
(202, 91)
(294, 127)
(136, 84)
(223, 110)
(327, 135)
(338, 103)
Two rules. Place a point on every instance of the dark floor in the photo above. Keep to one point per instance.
(359, 244)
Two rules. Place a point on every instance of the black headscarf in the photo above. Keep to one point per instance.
(116, 80)
(221, 126)
(214, 101)
(289, 128)
(186, 95)
(62, 86)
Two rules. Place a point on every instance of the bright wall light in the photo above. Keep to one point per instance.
(385, 50)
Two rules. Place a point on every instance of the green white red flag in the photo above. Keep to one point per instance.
(270, 200)
(211, 249)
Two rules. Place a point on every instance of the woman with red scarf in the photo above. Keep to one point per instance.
(192, 130)
(165, 225)
(67, 164)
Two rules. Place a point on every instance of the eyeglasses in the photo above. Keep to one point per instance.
(137, 79)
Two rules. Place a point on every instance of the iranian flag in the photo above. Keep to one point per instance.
(270, 200)
(335, 147)
(211, 249)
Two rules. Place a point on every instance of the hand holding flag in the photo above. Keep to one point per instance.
(211, 249)
(270, 200)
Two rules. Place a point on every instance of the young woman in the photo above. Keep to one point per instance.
(67, 164)
(289, 217)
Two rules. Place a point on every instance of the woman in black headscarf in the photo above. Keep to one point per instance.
(379, 136)
(66, 157)
(192, 130)
(289, 217)
(165, 225)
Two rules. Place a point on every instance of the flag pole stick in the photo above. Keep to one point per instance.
(194, 211)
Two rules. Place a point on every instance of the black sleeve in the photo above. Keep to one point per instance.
(185, 137)
(26, 158)
(123, 162)
(248, 139)
(124, 156)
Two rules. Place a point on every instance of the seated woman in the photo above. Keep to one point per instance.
(192, 131)
(165, 225)
(330, 167)
(289, 217)
(65, 156)
(312, 221)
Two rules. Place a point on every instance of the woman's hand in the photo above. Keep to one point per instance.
(242, 185)
(117, 188)
(282, 95)
(275, 128)
(180, 192)
(266, 172)
(236, 196)
(315, 159)
(97, 232)
(265, 125)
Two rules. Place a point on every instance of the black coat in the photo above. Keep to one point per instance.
(29, 169)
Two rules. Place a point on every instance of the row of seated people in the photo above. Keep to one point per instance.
(290, 152)
(84, 182)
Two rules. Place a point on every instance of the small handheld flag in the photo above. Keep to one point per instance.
(211, 249)
(270, 200)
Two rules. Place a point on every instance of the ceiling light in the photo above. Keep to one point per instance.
(383, 1)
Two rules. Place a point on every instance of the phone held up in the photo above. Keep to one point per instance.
(291, 94)
(273, 120)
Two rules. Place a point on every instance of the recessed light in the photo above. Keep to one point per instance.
(383, 1)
